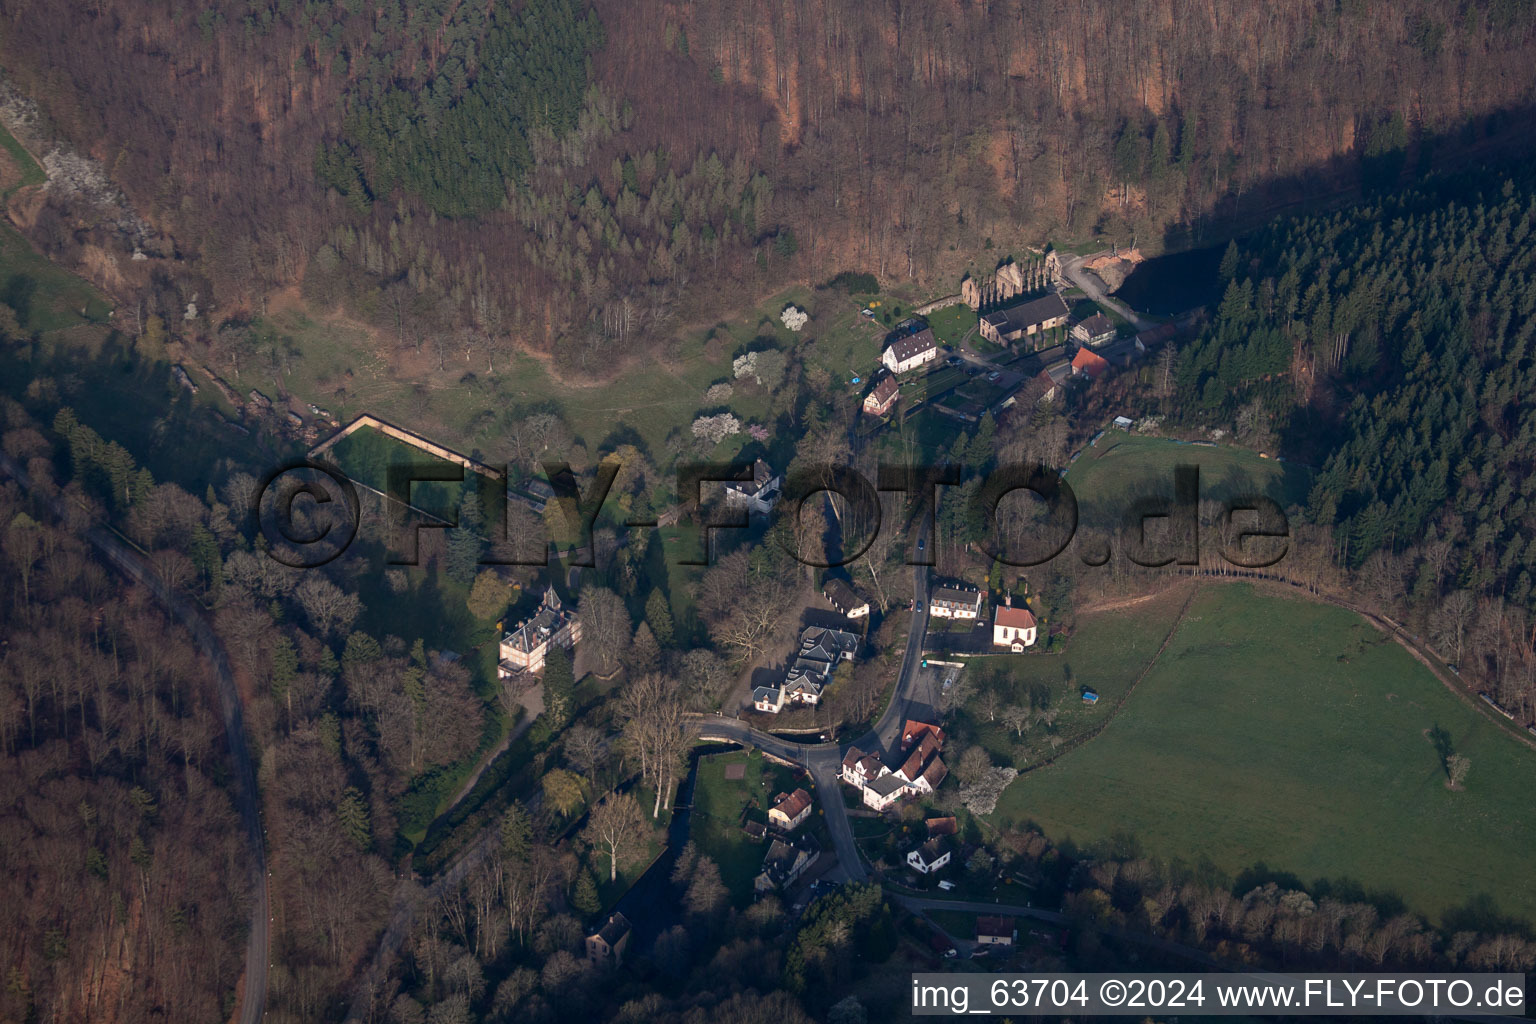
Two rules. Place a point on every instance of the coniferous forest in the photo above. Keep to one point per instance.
(1391, 342)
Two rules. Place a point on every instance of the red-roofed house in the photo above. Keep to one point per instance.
(914, 730)
(1013, 627)
(1090, 363)
(788, 811)
(912, 768)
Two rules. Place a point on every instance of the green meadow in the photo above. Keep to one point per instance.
(1293, 734)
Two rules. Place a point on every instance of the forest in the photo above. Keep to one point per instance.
(119, 836)
(1391, 342)
(684, 157)
(581, 182)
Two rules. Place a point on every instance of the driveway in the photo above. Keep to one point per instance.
(1072, 268)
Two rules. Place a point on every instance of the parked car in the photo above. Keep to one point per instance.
(994, 375)
(954, 360)
(867, 312)
(922, 540)
(951, 953)
(947, 885)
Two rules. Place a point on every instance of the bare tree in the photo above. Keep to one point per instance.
(604, 626)
(989, 703)
(1455, 616)
(331, 609)
(585, 748)
(1016, 719)
(616, 826)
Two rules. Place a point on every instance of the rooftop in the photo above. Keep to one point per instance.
(907, 345)
(1019, 618)
(1024, 315)
(842, 595)
(792, 804)
(994, 926)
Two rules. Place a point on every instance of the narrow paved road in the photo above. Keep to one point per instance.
(191, 615)
(1072, 267)
(824, 760)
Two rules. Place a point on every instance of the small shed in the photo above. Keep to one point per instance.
(1089, 697)
(1124, 422)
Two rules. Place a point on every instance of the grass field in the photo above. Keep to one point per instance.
(45, 297)
(461, 404)
(366, 455)
(1295, 735)
(27, 170)
(952, 323)
(1106, 653)
(1122, 467)
(718, 803)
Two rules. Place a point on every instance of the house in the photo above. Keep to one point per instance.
(994, 931)
(942, 826)
(914, 731)
(848, 602)
(784, 863)
(909, 347)
(826, 646)
(524, 648)
(769, 698)
(917, 759)
(1051, 379)
(955, 601)
(882, 396)
(1152, 337)
(923, 769)
(932, 776)
(884, 791)
(1012, 627)
(929, 857)
(803, 685)
(810, 671)
(859, 768)
(789, 810)
(1095, 330)
(1090, 363)
(605, 947)
(758, 494)
(1022, 320)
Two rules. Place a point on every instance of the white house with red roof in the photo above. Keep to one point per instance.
(1012, 627)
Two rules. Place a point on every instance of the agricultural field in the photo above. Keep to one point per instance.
(1122, 467)
(1294, 735)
